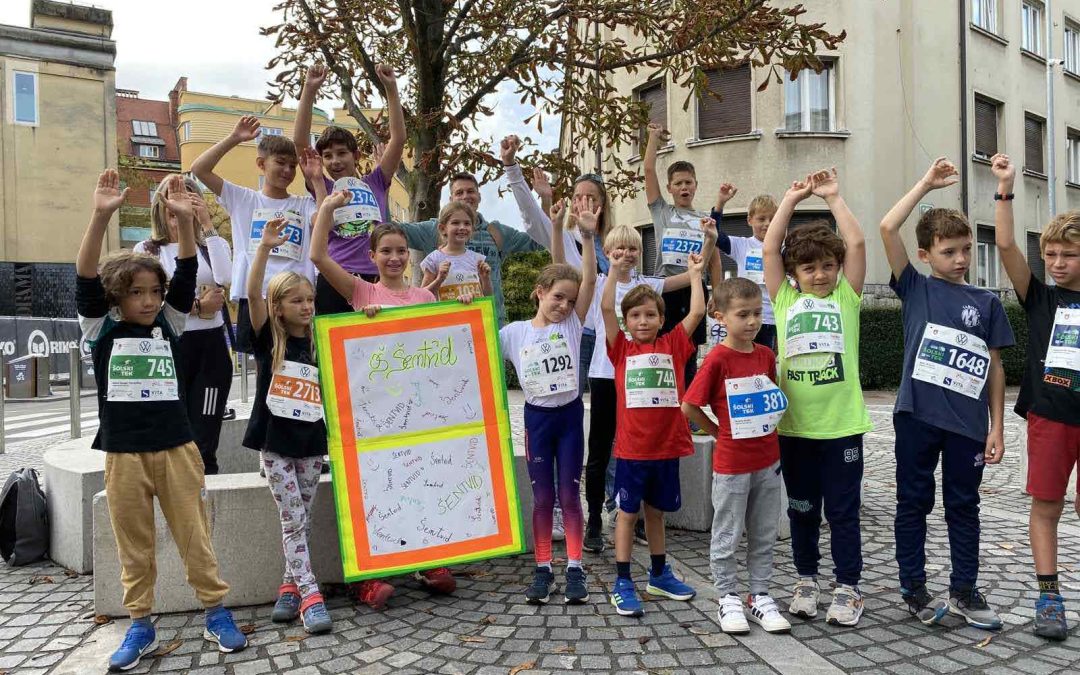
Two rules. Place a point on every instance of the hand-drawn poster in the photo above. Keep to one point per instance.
(419, 437)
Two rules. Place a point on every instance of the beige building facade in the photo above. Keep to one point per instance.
(914, 80)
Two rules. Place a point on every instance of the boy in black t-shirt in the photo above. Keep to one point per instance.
(144, 426)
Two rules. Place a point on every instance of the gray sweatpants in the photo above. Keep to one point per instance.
(746, 502)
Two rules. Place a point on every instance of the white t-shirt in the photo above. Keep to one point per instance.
(747, 254)
(221, 262)
(464, 272)
(242, 204)
(601, 365)
(551, 359)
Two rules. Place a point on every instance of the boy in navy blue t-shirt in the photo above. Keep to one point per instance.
(951, 401)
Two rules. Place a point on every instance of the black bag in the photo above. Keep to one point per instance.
(24, 522)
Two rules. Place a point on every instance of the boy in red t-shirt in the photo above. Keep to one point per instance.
(650, 434)
(738, 381)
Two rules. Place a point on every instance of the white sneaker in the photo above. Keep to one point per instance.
(765, 613)
(846, 608)
(558, 533)
(804, 598)
(731, 615)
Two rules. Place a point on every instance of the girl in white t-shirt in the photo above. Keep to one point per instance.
(545, 353)
(452, 270)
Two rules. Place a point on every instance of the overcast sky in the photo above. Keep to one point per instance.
(221, 52)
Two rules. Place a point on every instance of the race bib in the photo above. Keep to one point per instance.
(361, 213)
(952, 359)
(1064, 349)
(755, 406)
(142, 369)
(294, 393)
(754, 267)
(458, 282)
(678, 243)
(547, 368)
(650, 382)
(814, 326)
(293, 246)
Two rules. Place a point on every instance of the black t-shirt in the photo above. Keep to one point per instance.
(1053, 393)
(266, 431)
(128, 423)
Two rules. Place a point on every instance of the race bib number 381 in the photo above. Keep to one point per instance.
(755, 406)
(294, 393)
(952, 359)
(650, 382)
(142, 369)
(293, 246)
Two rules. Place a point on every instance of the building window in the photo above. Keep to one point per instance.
(1072, 47)
(140, 128)
(654, 96)
(648, 249)
(984, 14)
(149, 151)
(986, 126)
(1031, 15)
(1034, 141)
(1072, 153)
(273, 131)
(986, 255)
(808, 100)
(729, 116)
(26, 98)
(185, 131)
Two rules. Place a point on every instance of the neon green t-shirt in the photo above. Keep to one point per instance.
(824, 394)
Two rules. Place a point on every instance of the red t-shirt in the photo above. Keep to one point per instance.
(743, 455)
(651, 433)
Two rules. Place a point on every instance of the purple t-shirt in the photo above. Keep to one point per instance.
(350, 240)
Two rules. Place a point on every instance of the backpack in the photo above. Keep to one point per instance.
(24, 522)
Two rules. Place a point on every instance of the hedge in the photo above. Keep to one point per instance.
(519, 272)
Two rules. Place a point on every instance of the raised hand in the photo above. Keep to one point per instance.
(942, 173)
(108, 196)
(508, 148)
(273, 234)
(246, 129)
(619, 260)
(177, 199)
(387, 76)
(558, 211)
(695, 264)
(316, 75)
(212, 300)
(708, 226)
(657, 129)
(799, 190)
(311, 165)
(202, 212)
(725, 194)
(1003, 168)
(587, 216)
(335, 200)
(541, 185)
(824, 183)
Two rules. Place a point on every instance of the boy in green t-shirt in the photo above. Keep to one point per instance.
(818, 346)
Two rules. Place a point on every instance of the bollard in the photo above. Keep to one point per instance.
(243, 377)
(73, 392)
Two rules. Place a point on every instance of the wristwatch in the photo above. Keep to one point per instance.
(1005, 198)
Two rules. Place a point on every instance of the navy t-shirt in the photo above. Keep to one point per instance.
(967, 309)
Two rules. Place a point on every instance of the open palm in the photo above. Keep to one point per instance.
(108, 196)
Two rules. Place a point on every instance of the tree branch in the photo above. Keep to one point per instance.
(448, 38)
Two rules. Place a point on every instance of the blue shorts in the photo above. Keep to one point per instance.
(653, 481)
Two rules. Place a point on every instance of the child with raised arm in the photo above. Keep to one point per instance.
(1050, 391)
(952, 391)
(544, 352)
(286, 424)
(738, 380)
(452, 269)
(144, 427)
(651, 433)
(249, 210)
(350, 238)
(821, 434)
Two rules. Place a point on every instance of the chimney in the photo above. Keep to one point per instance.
(174, 101)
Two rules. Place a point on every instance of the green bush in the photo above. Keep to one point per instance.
(519, 272)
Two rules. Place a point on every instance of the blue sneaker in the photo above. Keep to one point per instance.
(625, 598)
(221, 628)
(576, 591)
(539, 591)
(1050, 617)
(287, 607)
(317, 620)
(668, 586)
(139, 641)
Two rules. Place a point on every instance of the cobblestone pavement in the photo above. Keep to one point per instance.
(46, 617)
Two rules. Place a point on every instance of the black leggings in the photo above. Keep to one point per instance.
(207, 379)
(601, 439)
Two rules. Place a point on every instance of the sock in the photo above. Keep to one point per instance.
(622, 570)
(143, 621)
(1048, 583)
(658, 562)
(546, 565)
(573, 563)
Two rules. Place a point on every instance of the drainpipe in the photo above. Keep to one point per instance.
(965, 154)
(1051, 142)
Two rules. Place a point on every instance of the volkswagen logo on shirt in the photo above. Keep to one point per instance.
(144, 346)
(808, 304)
(654, 360)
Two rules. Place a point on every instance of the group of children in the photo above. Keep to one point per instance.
(783, 385)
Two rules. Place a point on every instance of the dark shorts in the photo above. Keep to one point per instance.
(653, 481)
(245, 334)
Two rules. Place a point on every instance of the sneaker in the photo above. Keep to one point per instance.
(765, 613)
(221, 628)
(923, 606)
(576, 591)
(438, 580)
(732, 615)
(139, 641)
(229, 414)
(639, 532)
(373, 593)
(287, 607)
(972, 606)
(316, 619)
(558, 533)
(625, 598)
(594, 537)
(540, 589)
(695, 430)
(846, 608)
(1050, 617)
(804, 598)
(668, 586)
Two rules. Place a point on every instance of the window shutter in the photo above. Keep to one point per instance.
(729, 116)
(1034, 259)
(648, 250)
(1033, 144)
(654, 95)
(985, 127)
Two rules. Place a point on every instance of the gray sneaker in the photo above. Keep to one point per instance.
(925, 607)
(846, 608)
(804, 598)
(972, 606)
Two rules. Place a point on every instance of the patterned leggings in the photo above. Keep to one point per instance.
(293, 482)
